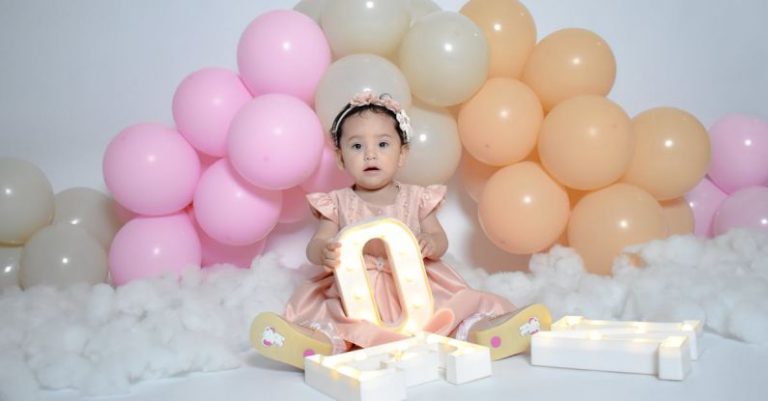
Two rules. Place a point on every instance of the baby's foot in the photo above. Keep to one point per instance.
(510, 333)
(278, 339)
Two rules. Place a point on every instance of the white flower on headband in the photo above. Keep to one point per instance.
(386, 101)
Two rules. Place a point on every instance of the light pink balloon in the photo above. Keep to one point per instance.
(203, 107)
(745, 208)
(283, 51)
(328, 176)
(295, 206)
(215, 252)
(739, 152)
(151, 169)
(150, 246)
(232, 211)
(704, 199)
(275, 142)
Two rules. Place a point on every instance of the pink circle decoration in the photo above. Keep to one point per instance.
(232, 211)
(328, 176)
(704, 199)
(745, 208)
(151, 246)
(203, 107)
(151, 169)
(283, 51)
(275, 142)
(739, 152)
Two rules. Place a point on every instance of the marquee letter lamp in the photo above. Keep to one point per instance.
(407, 270)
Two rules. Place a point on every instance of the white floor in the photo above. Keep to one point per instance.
(726, 370)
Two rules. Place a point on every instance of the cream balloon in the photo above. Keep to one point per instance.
(9, 266)
(90, 209)
(606, 221)
(499, 125)
(372, 26)
(420, 8)
(312, 8)
(671, 154)
(62, 254)
(474, 175)
(522, 210)
(26, 200)
(510, 31)
(568, 63)
(445, 58)
(353, 74)
(678, 215)
(586, 142)
(435, 149)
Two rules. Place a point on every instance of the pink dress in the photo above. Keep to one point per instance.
(316, 304)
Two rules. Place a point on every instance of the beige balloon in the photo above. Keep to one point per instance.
(474, 175)
(522, 210)
(678, 215)
(499, 125)
(445, 58)
(26, 200)
(372, 26)
(672, 152)
(90, 209)
(510, 31)
(604, 222)
(586, 142)
(435, 149)
(353, 74)
(568, 63)
(311, 8)
(420, 8)
(62, 254)
(9, 266)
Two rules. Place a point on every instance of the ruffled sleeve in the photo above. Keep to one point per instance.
(431, 198)
(323, 204)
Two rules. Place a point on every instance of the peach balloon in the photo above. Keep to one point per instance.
(509, 30)
(671, 152)
(500, 124)
(568, 63)
(522, 210)
(474, 175)
(678, 215)
(604, 222)
(586, 142)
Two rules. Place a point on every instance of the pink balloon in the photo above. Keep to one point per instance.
(150, 246)
(275, 142)
(232, 211)
(328, 176)
(745, 208)
(151, 169)
(704, 199)
(295, 206)
(739, 152)
(203, 107)
(215, 252)
(283, 51)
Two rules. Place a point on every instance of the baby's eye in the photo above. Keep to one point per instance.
(383, 144)
(356, 146)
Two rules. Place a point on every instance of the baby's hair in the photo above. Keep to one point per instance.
(367, 101)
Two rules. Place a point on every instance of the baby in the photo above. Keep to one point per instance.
(371, 136)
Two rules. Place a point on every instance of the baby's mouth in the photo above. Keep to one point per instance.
(371, 169)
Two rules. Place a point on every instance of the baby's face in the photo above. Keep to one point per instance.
(371, 151)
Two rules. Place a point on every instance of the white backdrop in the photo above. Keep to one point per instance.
(74, 73)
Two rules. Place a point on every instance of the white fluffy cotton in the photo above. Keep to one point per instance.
(100, 340)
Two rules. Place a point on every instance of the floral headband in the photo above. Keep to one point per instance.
(369, 98)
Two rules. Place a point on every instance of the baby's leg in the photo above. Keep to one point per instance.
(510, 334)
(283, 341)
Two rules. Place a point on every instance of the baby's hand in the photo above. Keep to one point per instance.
(427, 245)
(331, 255)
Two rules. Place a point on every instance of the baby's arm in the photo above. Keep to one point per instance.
(432, 239)
(322, 250)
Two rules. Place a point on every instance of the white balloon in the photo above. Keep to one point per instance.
(9, 266)
(26, 200)
(371, 26)
(435, 148)
(311, 8)
(90, 209)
